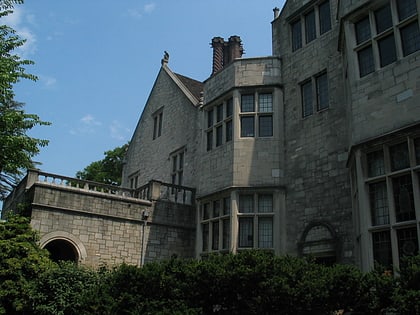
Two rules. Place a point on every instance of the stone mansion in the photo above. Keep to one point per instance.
(314, 150)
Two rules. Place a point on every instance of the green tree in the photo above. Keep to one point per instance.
(17, 148)
(107, 170)
(21, 261)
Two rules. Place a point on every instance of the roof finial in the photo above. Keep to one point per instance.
(165, 59)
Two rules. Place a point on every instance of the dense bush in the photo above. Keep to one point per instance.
(250, 282)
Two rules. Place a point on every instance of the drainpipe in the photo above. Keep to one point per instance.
(144, 217)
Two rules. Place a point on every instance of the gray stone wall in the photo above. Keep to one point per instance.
(315, 146)
(109, 229)
(150, 158)
(386, 99)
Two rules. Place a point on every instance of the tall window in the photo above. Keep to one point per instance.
(296, 35)
(215, 224)
(219, 124)
(310, 27)
(307, 22)
(256, 115)
(177, 170)
(391, 172)
(378, 43)
(315, 94)
(255, 220)
(157, 124)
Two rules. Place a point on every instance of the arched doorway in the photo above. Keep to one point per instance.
(320, 241)
(64, 246)
(62, 250)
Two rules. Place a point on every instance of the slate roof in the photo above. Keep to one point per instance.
(195, 87)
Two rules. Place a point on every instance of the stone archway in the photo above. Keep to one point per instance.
(63, 246)
(320, 240)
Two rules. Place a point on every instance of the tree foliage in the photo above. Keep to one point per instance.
(108, 170)
(17, 148)
(21, 261)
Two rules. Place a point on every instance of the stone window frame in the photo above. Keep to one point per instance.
(382, 45)
(219, 124)
(253, 117)
(214, 214)
(177, 164)
(134, 180)
(157, 123)
(386, 235)
(255, 217)
(302, 32)
(314, 97)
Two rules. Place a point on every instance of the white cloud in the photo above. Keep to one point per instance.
(86, 125)
(48, 81)
(146, 9)
(149, 8)
(16, 20)
(118, 131)
(89, 120)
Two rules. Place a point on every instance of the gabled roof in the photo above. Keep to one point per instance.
(190, 87)
(195, 87)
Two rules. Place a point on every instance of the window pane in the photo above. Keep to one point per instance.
(296, 35)
(160, 124)
(324, 17)
(181, 160)
(399, 156)
(205, 236)
(219, 113)
(265, 102)
(216, 208)
(378, 203)
(219, 135)
(229, 107)
(265, 203)
(417, 150)
(406, 8)
(246, 203)
(387, 52)
(155, 127)
(226, 206)
(310, 26)
(247, 103)
(322, 92)
(209, 118)
(362, 30)
(174, 163)
(383, 19)
(229, 130)
(366, 64)
(247, 126)
(410, 38)
(265, 232)
(403, 198)
(180, 177)
(215, 236)
(376, 164)
(209, 140)
(265, 126)
(246, 235)
(206, 211)
(307, 107)
(382, 252)
(408, 244)
(226, 234)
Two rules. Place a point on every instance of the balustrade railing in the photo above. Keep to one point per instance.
(154, 190)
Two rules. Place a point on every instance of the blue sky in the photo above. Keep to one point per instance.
(97, 61)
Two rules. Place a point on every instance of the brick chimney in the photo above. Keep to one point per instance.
(225, 52)
(217, 43)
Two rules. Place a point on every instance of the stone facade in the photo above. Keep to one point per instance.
(314, 150)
